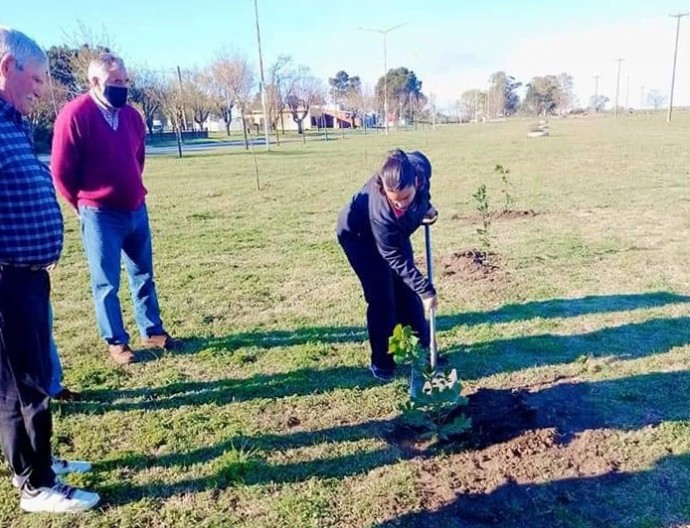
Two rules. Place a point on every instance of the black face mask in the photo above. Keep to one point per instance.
(115, 95)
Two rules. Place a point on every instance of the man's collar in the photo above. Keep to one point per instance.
(100, 103)
(9, 111)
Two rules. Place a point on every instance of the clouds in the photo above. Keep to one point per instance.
(646, 44)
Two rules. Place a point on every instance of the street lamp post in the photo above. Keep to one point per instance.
(262, 85)
(675, 56)
(384, 32)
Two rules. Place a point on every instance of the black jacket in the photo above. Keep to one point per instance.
(369, 219)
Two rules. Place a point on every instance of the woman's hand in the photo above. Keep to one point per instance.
(429, 303)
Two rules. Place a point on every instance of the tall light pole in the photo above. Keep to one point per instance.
(384, 32)
(678, 16)
(618, 87)
(262, 85)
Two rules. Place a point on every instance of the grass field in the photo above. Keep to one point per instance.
(269, 418)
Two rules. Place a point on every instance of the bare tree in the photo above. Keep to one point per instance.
(369, 101)
(279, 87)
(171, 100)
(307, 91)
(197, 95)
(474, 102)
(85, 44)
(656, 99)
(146, 91)
(234, 77)
(565, 98)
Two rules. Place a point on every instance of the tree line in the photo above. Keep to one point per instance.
(227, 88)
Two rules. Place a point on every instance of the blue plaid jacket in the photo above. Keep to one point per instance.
(31, 226)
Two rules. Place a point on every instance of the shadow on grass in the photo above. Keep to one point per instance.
(242, 459)
(556, 308)
(219, 392)
(629, 341)
(623, 404)
(655, 497)
(562, 308)
(473, 362)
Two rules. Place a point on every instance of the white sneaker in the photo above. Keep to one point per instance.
(62, 466)
(58, 499)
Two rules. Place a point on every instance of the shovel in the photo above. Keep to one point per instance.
(431, 315)
(416, 381)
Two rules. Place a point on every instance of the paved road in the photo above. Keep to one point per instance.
(200, 147)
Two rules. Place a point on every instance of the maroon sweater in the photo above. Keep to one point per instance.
(92, 164)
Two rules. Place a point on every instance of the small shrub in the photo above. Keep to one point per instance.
(509, 198)
(482, 204)
(437, 397)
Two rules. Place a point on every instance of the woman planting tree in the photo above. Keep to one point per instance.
(374, 230)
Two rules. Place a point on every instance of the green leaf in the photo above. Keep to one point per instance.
(458, 426)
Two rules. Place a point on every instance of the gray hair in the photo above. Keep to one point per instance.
(22, 48)
(102, 63)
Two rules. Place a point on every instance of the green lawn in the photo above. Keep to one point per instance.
(270, 418)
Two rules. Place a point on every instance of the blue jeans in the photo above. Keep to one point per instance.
(109, 236)
(56, 367)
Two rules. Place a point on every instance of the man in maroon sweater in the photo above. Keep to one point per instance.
(97, 164)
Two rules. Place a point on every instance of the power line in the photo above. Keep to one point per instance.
(677, 16)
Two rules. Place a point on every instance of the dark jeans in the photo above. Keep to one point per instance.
(389, 300)
(25, 371)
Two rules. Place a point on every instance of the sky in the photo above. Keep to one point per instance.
(451, 45)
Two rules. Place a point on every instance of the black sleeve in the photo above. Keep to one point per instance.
(390, 243)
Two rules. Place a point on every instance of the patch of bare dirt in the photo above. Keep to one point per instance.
(523, 452)
(471, 264)
(514, 214)
(511, 214)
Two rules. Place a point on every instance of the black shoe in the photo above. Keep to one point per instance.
(66, 395)
(382, 374)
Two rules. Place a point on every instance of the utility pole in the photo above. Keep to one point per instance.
(262, 84)
(432, 99)
(476, 106)
(677, 16)
(618, 86)
(184, 111)
(596, 93)
(627, 93)
(384, 32)
(184, 119)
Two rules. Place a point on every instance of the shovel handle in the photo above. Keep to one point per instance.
(431, 315)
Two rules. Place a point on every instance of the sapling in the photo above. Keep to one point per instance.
(509, 198)
(482, 204)
(429, 407)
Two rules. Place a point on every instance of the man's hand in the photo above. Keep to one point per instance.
(429, 303)
(430, 216)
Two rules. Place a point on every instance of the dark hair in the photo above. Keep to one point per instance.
(397, 172)
(421, 163)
